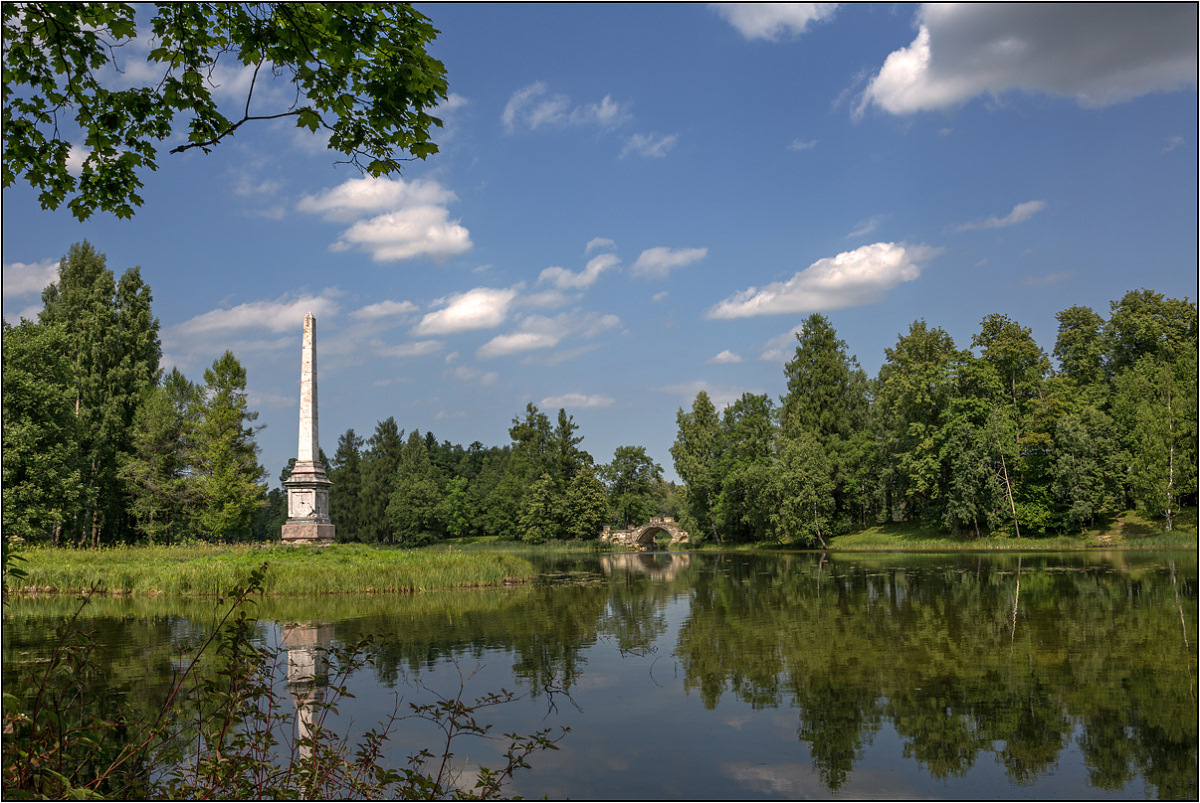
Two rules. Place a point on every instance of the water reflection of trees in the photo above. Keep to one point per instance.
(1016, 657)
(1092, 654)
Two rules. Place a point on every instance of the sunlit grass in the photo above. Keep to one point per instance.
(216, 570)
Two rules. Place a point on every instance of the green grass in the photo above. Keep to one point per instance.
(1130, 529)
(216, 570)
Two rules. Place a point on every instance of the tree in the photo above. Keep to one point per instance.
(632, 479)
(696, 452)
(1145, 324)
(229, 479)
(1156, 403)
(414, 506)
(41, 476)
(158, 471)
(825, 394)
(380, 464)
(112, 343)
(345, 494)
(916, 384)
(585, 509)
(356, 71)
(1079, 347)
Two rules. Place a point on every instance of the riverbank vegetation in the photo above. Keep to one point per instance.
(987, 442)
(211, 570)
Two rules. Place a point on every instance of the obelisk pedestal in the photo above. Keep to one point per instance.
(308, 487)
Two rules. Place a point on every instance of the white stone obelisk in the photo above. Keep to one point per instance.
(308, 487)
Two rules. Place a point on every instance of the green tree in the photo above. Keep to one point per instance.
(229, 479)
(112, 342)
(1156, 403)
(415, 505)
(1079, 347)
(381, 461)
(345, 494)
(158, 469)
(585, 506)
(42, 484)
(632, 479)
(1146, 324)
(358, 72)
(542, 514)
(825, 389)
(802, 485)
(696, 453)
(916, 384)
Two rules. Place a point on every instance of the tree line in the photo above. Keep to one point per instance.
(393, 489)
(989, 442)
(100, 447)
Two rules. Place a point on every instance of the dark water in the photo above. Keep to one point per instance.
(756, 676)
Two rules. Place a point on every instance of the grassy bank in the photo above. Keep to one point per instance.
(215, 570)
(1129, 530)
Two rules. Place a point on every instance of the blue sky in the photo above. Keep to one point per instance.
(634, 203)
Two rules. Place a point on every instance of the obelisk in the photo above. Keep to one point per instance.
(308, 487)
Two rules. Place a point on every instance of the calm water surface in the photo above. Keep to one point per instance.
(756, 676)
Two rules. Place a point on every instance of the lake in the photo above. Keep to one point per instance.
(750, 676)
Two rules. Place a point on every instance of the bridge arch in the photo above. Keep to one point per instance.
(645, 535)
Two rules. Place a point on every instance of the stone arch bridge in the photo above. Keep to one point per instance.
(645, 535)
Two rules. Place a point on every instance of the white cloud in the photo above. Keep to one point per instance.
(850, 279)
(772, 20)
(1097, 53)
(417, 348)
(280, 315)
(363, 196)
(802, 144)
(540, 332)
(408, 233)
(535, 106)
(650, 145)
(576, 400)
(566, 280)
(656, 263)
(1019, 214)
(27, 278)
(725, 357)
(867, 226)
(384, 309)
(480, 308)
(599, 242)
(76, 156)
(415, 221)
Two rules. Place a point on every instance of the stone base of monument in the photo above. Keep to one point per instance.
(307, 532)
(308, 505)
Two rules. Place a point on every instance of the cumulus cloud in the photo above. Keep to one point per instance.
(281, 315)
(576, 400)
(536, 332)
(535, 106)
(724, 358)
(27, 278)
(414, 220)
(480, 308)
(656, 263)
(650, 145)
(1099, 54)
(599, 242)
(384, 309)
(416, 348)
(770, 21)
(802, 144)
(564, 279)
(1019, 214)
(850, 279)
